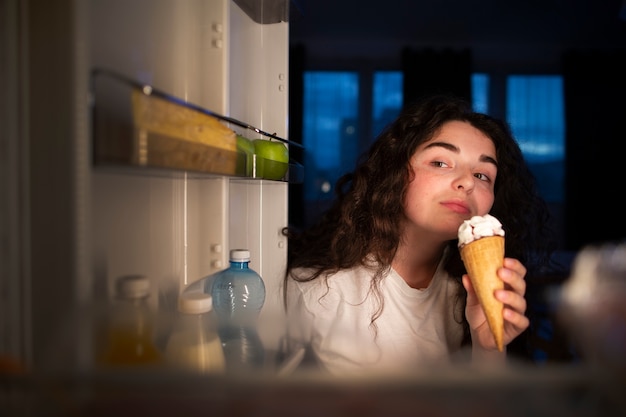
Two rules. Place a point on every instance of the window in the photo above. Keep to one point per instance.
(480, 93)
(329, 134)
(536, 115)
(387, 99)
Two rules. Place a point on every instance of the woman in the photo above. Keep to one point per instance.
(378, 284)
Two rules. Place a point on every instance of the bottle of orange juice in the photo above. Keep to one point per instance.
(129, 335)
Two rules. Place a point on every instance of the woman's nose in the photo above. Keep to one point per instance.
(464, 181)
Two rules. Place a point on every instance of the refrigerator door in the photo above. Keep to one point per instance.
(82, 225)
(178, 228)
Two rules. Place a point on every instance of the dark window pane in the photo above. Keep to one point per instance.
(535, 112)
(329, 136)
(480, 92)
(387, 100)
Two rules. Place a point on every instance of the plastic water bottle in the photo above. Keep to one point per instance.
(238, 296)
(194, 344)
(129, 337)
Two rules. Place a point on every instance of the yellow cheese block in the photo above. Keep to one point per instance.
(167, 118)
(171, 135)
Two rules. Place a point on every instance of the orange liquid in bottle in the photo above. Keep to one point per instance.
(128, 338)
(126, 347)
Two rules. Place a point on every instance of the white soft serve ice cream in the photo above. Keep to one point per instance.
(478, 227)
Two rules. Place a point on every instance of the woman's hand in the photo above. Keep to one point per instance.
(512, 296)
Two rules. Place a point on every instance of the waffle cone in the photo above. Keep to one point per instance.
(482, 258)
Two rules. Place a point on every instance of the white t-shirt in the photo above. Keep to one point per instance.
(417, 328)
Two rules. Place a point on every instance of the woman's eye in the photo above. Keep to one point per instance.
(439, 164)
(482, 177)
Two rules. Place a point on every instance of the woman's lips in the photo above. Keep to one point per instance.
(457, 206)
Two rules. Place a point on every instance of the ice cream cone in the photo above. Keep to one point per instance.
(482, 258)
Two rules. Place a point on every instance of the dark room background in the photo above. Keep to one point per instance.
(555, 70)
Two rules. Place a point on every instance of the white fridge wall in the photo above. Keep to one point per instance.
(175, 228)
(170, 230)
(178, 46)
(258, 72)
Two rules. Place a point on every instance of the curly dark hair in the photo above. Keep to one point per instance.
(364, 222)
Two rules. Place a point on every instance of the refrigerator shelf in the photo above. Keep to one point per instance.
(553, 391)
(139, 127)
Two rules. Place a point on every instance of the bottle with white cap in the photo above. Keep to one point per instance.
(194, 345)
(129, 339)
(238, 296)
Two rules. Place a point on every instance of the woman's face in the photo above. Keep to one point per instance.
(454, 179)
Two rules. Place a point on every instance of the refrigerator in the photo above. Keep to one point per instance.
(83, 208)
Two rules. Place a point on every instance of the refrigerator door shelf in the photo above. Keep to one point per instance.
(139, 126)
